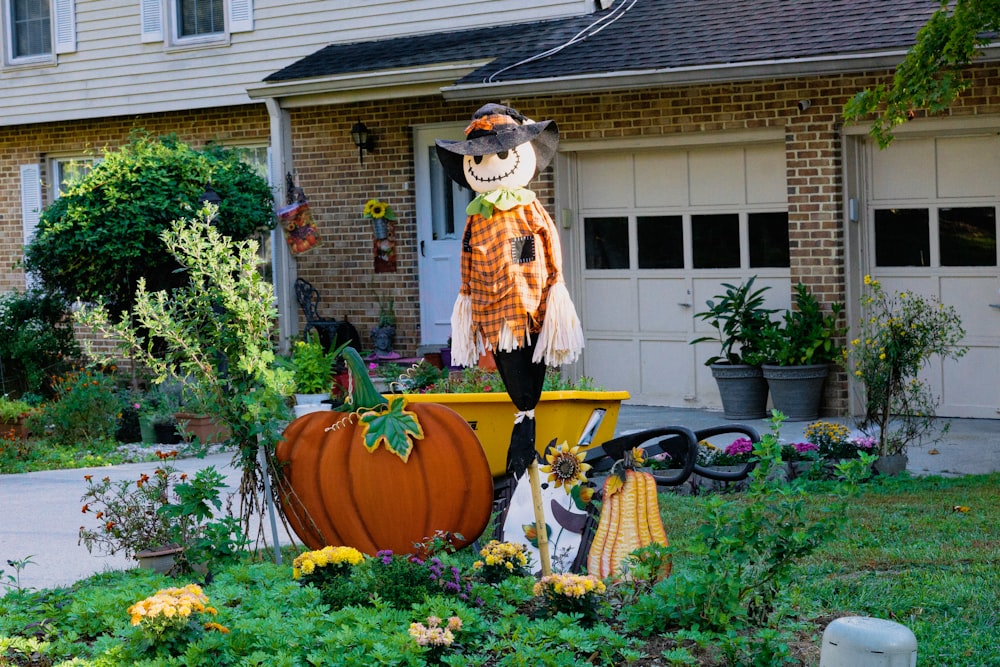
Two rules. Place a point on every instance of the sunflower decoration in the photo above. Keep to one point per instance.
(565, 466)
(377, 209)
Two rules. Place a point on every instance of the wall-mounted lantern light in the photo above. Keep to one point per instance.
(363, 139)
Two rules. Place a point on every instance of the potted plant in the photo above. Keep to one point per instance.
(164, 516)
(384, 333)
(14, 416)
(800, 350)
(196, 424)
(158, 412)
(741, 322)
(312, 369)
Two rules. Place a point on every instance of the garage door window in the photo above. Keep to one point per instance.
(715, 240)
(606, 243)
(968, 236)
(661, 241)
(769, 240)
(902, 237)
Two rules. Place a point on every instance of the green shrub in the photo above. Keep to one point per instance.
(36, 341)
(123, 205)
(85, 409)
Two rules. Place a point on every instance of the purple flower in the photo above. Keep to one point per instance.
(739, 446)
(863, 442)
(803, 447)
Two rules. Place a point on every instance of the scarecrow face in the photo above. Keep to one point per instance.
(512, 168)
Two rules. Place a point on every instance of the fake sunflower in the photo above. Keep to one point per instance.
(565, 466)
(377, 209)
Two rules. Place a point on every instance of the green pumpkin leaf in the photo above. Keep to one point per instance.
(396, 427)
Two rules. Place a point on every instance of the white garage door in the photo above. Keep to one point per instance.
(932, 229)
(660, 231)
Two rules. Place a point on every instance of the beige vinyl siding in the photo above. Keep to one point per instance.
(114, 72)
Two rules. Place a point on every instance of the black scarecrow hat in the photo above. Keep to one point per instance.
(495, 128)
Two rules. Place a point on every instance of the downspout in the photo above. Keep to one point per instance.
(282, 264)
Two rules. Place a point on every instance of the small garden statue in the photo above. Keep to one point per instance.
(512, 300)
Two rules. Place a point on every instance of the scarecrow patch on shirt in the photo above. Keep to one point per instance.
(522, 249)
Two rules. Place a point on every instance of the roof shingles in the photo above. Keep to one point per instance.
(641, 35)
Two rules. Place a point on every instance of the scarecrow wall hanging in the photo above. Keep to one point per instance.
(296, 219)
(513, 300)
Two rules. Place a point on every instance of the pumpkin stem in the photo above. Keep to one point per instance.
(364, 395)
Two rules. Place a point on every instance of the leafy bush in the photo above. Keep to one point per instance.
(124, 203)
(36, 341)
(741, 560)
(897, 336)
(85, 409)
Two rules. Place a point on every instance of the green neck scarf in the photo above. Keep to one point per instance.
(501, 198)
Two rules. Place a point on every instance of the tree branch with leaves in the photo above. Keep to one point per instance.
(932, 75)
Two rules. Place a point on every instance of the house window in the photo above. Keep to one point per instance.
(190, 23)
(902, 237)
(68, 170)
(30, 28)
(715, 240)
(196, 18)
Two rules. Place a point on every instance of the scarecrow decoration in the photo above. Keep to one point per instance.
(512, 300)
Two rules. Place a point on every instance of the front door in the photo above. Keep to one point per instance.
(440, 222)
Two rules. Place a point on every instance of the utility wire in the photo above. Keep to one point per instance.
(591, 30)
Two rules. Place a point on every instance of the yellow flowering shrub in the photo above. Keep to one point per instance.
(501, 560)
(328, 561)
(570, 593)
(171, 611)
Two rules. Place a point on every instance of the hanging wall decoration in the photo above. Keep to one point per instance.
(384, 244)
(296, 219)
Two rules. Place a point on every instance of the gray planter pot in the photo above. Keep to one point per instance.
(891, 464)
(796, 391)
(743, 390)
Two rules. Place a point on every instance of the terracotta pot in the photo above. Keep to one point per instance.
(203, 427)
(19, 425)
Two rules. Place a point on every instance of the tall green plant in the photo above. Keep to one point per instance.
(741, 323)
(897, 336)
(217, 332)
(124, 203)
(806, 334)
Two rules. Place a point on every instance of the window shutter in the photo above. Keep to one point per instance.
(65, 25)
(31, 199)
(240, 15)
(151, 15)
(31, 206)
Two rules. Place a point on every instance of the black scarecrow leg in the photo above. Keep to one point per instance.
(524, 379)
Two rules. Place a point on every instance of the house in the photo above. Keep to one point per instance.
(702, 142)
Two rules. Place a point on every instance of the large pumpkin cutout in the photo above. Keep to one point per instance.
(336, 488)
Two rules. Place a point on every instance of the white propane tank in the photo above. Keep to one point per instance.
(859, 641)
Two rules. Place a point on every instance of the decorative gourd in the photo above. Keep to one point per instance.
(339, 486)
(630, 519)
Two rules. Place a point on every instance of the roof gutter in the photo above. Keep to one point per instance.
(695, 74)
(359, 86)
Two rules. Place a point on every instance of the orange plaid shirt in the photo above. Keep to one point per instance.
(509, 261)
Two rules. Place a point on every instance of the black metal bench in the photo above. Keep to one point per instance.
(328, 328)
